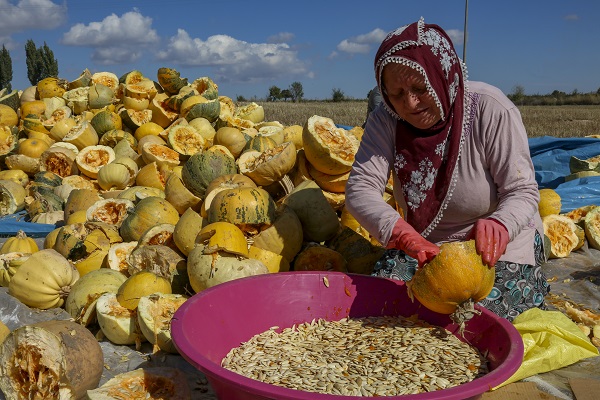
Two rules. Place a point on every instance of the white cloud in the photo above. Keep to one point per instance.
(361, 44)
(281, 37)
(30, 14)
(572, 17)
(234, 60)
(114, 39)
(457, 36)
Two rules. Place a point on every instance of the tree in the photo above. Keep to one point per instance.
(296, 91)
(337, 95)
(6, 72)
(40, 62)
(286, 94)
(274, 93)
(50, 63)
(32, 59)
(517, 95)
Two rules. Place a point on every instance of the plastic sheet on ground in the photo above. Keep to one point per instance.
(551, 155)
(13, 223)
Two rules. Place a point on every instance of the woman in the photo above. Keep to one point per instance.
(459, 158)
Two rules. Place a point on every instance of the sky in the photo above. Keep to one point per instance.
(246, 47)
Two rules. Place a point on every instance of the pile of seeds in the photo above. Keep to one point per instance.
(375, 356)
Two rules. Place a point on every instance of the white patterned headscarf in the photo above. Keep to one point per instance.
(426, 158)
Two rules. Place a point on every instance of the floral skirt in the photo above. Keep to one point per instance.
(517, 288)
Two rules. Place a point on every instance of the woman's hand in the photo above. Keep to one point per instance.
(405, 238)
(491, 239)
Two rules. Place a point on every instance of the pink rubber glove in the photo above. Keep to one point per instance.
(405, 238)
(491, 239)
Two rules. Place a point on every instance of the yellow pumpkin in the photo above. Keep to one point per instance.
(19, 243)
(223, 236)
(320, 258)
(550, 202)
(44, 280)
(453, 281)
(187, 228)
(33, 147)
(141, 283)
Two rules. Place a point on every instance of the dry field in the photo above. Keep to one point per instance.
(559, 121)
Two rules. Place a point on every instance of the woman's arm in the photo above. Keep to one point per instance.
(509, 161)
(369, 176)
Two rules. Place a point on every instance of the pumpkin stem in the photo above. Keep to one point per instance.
(464, 312)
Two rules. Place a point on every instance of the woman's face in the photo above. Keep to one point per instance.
(407, 92)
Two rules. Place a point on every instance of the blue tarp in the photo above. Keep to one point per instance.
(11, 224)
(551, 157)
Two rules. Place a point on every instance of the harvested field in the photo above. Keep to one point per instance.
(559, 121)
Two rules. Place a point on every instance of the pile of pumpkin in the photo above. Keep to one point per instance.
(159, 189)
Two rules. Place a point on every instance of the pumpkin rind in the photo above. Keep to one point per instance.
(146, 383)
(271, 165)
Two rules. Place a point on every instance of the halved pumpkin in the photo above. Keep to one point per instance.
(562, 232)
(328, 148)
(91, 158)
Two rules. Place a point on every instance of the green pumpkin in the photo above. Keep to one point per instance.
(201, 168)
(206, 88)
(148, 212)
(170, 80)
(106, 120)
(209, 110)
(245, 207)
(113, 136)
(260, 143)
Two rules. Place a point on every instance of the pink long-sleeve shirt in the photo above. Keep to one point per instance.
(496, 178)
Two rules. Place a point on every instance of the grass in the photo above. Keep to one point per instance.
(558, 121)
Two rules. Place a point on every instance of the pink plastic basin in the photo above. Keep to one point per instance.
(208, 325)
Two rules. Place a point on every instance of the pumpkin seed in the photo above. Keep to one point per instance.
(374, 356)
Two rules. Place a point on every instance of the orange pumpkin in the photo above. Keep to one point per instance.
(453, 281)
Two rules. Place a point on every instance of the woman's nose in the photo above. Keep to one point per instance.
(411, 99)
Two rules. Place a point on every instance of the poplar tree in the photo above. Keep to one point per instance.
(6, 72)
(40, 62)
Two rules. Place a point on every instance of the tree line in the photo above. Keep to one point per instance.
(40, 63)
(556, 98)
